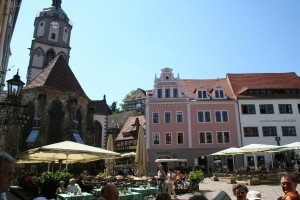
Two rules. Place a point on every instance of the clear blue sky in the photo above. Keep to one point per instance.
(119, 45)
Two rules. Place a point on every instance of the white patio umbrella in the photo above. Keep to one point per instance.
(141, 158)
(292, 146)
(109, 162)
(68, 152)
(256, 148)
(230, 151)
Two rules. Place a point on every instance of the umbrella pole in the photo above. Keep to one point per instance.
(48, 166)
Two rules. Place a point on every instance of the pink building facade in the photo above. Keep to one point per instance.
(191, 119)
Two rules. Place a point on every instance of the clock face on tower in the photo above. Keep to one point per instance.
(54, 25)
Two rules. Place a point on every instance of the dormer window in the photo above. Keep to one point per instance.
(202, 94)
(219, 93)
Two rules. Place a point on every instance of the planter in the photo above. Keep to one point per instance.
(230, 181)
(253, 182)
(214, 178)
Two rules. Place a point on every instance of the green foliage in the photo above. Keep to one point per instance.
(48, 182)
(197, 175)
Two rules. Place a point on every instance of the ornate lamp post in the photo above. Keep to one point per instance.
(10, 103)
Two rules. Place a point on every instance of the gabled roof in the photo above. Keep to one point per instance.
(138, 94)
(57, 75)
(118, 120)
(131, 126)
(243, 82)
(100, 106)
(190, 86)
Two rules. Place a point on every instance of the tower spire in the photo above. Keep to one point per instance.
(56, 3)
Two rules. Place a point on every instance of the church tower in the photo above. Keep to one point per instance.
(51, 37)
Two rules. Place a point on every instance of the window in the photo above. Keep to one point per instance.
(168, 138)
(53, 35)
(250, 131)
(167, 93)
(179, 138)
(266, 109)
(248, 109)
(219, 93)
(156, 138)
(33, 135)
(299, 108)
(175, 92)
(221, 116)
(203, 116)
(155, 119)
(202, 94)
(285, 109)
(223, 137)
(159, 93)
(288, 131)
(77, 137)
(205, 137)
(179, 116)
(167, 117)
(269, 131)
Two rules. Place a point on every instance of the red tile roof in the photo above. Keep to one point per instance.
(57, 75)
(130, 126)
(243, 82)
(190, 86)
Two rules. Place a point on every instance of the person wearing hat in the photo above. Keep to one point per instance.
(61, 189)
(254, 195)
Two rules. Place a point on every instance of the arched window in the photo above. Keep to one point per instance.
(56, 115)
(97, 134)
(49, 57)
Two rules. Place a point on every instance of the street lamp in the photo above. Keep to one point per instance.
(10, 103)
(14, 88)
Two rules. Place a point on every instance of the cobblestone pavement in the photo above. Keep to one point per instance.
(211, 188)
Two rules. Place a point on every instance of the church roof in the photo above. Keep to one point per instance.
(100, 106)
(57, 75)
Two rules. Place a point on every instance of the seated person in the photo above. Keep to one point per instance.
(73, 186)
(85, 187)
(61, 189)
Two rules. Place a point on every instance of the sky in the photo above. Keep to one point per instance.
(120, 45)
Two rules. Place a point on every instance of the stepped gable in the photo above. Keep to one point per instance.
(189, 87)
(57, 75)
(130, 126)
(260, 81)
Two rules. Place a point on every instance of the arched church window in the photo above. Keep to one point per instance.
(49, 57)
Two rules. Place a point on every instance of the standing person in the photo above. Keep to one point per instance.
(109, 192)
(161, 177)
(288, 184)
(170, 183)
(240, 191)
(7, 170)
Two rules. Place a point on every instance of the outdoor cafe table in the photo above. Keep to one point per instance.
(96, 192)
(130, 196)
(72, 196)
(146, 191)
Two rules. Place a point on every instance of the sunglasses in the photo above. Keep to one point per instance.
(238, 193)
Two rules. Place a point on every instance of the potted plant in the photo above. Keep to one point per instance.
(253, 181)
(214, 178)
(231, 180)
(48, 182)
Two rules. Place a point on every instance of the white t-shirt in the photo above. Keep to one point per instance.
(73, 188)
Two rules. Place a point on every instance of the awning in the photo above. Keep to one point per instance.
(171, 160)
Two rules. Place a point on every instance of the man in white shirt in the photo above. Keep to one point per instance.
(73, 186)
(7, 170)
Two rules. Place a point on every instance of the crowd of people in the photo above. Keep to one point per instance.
(288, 183)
